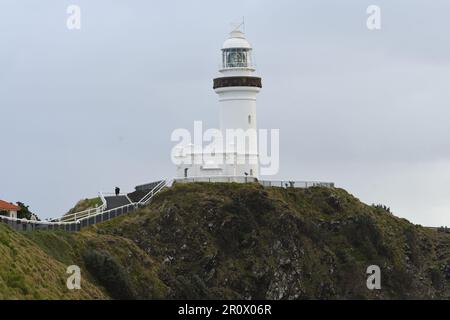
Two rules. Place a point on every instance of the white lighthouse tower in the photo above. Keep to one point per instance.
(237, 89)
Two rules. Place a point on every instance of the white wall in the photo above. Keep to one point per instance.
(13, 214)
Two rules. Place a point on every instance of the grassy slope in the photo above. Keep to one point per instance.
(130, 274)
(233, 241)
(27, 272)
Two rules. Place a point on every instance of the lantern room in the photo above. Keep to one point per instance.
(237, 52)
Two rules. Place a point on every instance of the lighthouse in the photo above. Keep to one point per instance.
(237, 88)
(236, 157)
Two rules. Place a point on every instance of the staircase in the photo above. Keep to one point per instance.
(143, 190)
(123, 204)
(113, 202)
(152, 191)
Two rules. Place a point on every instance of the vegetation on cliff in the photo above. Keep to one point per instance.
(234, 241)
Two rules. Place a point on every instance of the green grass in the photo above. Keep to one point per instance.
(27, 272)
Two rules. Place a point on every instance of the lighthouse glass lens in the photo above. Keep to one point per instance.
(236, 58)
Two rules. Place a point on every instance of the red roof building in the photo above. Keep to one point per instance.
(8, 209)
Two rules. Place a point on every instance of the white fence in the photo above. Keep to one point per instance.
(82, 214)
(265, 183)
(29, 225)
(296, 184)
(218, 179)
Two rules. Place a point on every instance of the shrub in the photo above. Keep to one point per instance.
(110, 274)
(24, 212)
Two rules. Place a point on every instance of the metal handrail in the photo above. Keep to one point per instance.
(218, 179)
(102, 197)
(35, 221)
(112, 194)
(296, 184)
(153, 192)
(81, 213)
(266, 183)
(134, 205)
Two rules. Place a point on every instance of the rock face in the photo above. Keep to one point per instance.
(231, 241)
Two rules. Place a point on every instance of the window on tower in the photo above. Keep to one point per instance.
(236, 58)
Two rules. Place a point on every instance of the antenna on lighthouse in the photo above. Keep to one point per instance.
(236, 26)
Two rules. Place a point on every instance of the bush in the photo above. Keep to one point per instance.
(366, 235)
(24, 212)
(437, 278)
(110, 274)
(382, 208)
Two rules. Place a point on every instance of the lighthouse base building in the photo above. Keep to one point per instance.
(235, 154)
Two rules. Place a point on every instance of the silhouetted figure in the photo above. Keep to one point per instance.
(117, 191)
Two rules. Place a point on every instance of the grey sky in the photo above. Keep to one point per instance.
(83, 111)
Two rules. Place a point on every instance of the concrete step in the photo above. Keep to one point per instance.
(113, 202)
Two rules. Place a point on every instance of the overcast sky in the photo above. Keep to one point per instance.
(84, 111)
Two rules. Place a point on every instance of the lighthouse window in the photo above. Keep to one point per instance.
(236, 58)
(249, 119)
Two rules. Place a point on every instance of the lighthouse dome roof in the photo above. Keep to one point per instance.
(236, 40)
